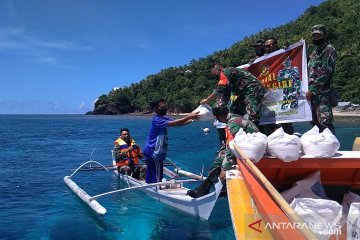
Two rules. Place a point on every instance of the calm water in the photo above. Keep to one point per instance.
(37, 151)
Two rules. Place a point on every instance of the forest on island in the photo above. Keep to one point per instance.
(184, 86)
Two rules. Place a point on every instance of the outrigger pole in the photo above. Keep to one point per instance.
(82, 194)
(97, 207)
(150, 185)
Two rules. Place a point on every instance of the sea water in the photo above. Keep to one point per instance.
(37, 151)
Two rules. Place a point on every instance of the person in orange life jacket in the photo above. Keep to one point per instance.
(156, 144)
(127, 154)
(222, 96)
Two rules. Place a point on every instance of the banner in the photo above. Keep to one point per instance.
(284, 74)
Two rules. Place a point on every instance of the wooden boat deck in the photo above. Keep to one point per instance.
(342, 169)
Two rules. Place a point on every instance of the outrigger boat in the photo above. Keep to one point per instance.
(172, 192)
(254, 201)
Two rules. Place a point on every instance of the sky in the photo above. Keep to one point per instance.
(59, 56)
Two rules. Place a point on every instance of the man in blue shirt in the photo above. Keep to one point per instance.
(156, 143)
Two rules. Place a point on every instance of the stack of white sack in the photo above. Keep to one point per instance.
(348, 199)
(252, 144)
(321, 216)
(205, 111)
(353, 221)
(321, 145)
(351, 212)
(309, 187)
(284, 146)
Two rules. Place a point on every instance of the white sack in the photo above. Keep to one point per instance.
(309, 187)
(315, 144)
(322, 216)
(219, 124)
(353, 222)
(284, 146)
(348, 199)
(252, 144)
(205, 111)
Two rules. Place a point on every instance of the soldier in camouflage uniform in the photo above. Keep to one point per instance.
(234, 122)
(248, 92)
(226, 159)
(321, 69)
(222, 96)
(291, 91)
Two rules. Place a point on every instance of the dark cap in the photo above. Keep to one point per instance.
(319, 28)
(259, 42)
(220, 111)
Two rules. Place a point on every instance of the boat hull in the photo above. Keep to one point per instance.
(178, 198)
(342, 169)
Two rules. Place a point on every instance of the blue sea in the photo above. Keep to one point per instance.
(37, 151)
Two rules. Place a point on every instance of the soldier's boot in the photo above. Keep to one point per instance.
(204, 188)
(223, 192)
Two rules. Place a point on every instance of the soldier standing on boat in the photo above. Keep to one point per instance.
(259, 48)
(226, 160)
(247, 93)
(222, 96)
(321, 70)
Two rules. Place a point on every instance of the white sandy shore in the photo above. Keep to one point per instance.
(338, 113)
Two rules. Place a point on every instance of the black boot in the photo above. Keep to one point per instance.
(204, 188)
(223, 192)
(201, 190)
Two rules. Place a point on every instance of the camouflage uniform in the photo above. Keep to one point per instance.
(226, 158)
(222, 94)
(321, 69)
(248, 91)
(292, 90)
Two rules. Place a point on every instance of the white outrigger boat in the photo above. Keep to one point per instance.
(172, 192)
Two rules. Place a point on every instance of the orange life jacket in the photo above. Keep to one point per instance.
(228, 134)
(223, 79)
(132, 155)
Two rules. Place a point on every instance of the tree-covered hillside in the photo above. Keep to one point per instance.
(185, 86)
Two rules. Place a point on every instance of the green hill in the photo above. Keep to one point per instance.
(185, 86)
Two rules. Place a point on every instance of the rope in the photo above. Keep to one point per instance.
(91, 161)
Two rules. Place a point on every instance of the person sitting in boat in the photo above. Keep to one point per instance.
(225, 160)
(127, 154)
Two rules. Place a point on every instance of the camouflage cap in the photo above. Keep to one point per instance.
(319, 28)
(259, 42)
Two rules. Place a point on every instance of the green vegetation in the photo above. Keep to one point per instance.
(185, 86)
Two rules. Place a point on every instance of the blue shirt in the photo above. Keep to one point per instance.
(157, 141)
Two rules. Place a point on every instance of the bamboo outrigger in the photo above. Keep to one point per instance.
(171, 192)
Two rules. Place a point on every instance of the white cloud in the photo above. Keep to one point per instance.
(82, 105)
(18, 38)
(36, 48)
(38, 107)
